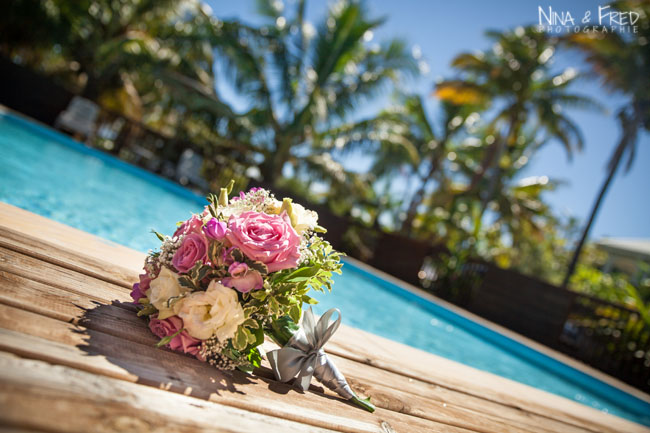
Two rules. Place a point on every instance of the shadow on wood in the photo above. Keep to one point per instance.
(156, 367)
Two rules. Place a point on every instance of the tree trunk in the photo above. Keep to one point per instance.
(626, 140)
(92, 88)
(274, 163)
(407, 225)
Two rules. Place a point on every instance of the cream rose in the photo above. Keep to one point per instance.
(162, 288)
(213, 312)
(301, 219)
(305, 219)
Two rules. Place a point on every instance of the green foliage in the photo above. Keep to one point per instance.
(147, 310)
(166, 340)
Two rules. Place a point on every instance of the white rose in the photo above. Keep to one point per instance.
(305, 219)
(162, 288)
(213, 312)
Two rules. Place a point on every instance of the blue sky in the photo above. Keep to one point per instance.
(442, 29)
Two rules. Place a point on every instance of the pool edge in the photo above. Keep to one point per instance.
(584, 374)
(50, 132)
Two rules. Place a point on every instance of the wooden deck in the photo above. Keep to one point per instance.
(75, 358)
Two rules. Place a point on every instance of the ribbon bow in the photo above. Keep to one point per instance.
(303, 355)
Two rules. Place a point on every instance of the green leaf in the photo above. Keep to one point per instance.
(250, 336)
(254, 357)
(283, 300)
(214, 252)
(158, 235)
(187, 282)
(203, 272)
(147, 310)
(295, 312)
(195, 270)
(240, 339)
(169, 338)
(259, 336)
(249, 310)
(250, 323)
(237, 255)
(273, 305)
(308, 300)
(213, 208)
(246, 368)
(282, 329)
(259, 267)
(260, 295)
(301, 274)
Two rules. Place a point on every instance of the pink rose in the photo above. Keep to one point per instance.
(243, 278)
(269, 239)
(192, 225)
(241, 196)
(192, 250)
(140, 288)
(183, 342)
(215, 229)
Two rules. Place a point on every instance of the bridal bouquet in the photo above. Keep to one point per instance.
(240, 270)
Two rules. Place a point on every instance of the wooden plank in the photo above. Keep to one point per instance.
(390, 390)
(33, 336)
(57, 303)
(356, 344)
(53, 242)
(37, 395)
(64, 278)
(453, 376)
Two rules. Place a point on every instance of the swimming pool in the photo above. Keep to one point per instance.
(48, 173)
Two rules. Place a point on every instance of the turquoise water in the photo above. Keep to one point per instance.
(49, 174)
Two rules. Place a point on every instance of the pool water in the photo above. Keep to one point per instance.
(49, 174)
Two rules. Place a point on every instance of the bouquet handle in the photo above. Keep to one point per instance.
(301, 355)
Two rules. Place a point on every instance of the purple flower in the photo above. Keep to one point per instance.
(215, 229)
(243, 278)
(140, 288)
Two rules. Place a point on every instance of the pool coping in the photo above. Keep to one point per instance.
(531, 350)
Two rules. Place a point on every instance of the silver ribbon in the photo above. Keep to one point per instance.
(303, 356)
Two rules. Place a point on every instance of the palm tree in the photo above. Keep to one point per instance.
(515, 78)
(303, 81)
(112, 49)
(433, 146)
(623, 63)
(518, 212)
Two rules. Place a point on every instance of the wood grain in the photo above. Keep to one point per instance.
(71, 248)
(38, 395)
(33, 336)
(389, 390)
